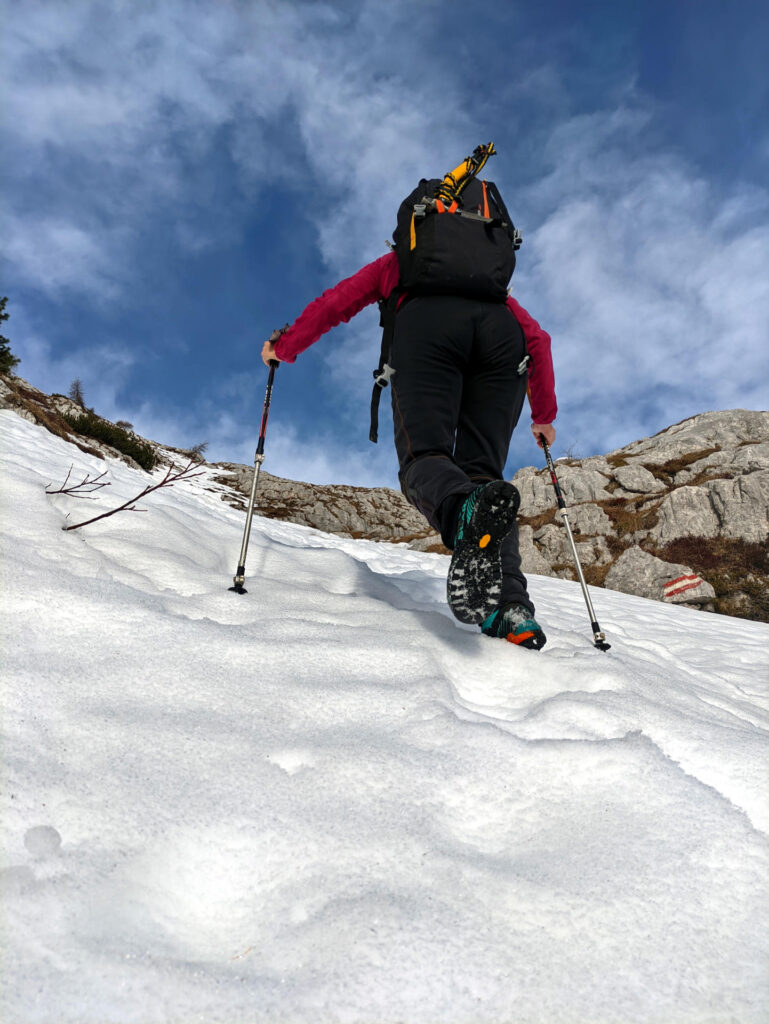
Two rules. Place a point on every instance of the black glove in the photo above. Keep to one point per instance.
(277, 333)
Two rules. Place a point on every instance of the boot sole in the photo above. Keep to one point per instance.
(474, 582)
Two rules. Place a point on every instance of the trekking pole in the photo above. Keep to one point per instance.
(599, 639)
(240, 578)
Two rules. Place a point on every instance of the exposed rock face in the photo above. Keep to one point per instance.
(701, 486)
(691, 502)
(377, 513)
(637, 480)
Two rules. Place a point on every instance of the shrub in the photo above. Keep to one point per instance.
(91, 425)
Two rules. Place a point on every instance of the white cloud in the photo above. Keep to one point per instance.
(657, 287)
(135, 98)
(59, 255)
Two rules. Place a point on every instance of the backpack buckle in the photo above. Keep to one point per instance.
(382, 378)
(523, 365)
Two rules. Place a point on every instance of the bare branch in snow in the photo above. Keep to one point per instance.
(84, 488)
(172, 475)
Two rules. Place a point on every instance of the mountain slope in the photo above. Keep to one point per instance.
(328, 800)
(690, 503)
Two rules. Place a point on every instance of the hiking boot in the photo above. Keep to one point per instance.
(514, 622)
(474, 583)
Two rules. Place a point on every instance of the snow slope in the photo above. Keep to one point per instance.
(329, 801)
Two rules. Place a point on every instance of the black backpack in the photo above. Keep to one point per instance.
(458, 246)
(454, 237)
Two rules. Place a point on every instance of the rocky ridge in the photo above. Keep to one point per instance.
(695, 498)
(682, 516)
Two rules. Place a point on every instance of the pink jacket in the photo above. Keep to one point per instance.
(375, 281)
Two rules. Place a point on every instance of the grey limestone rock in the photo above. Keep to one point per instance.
(377, 513)
(589, 520)
(686, 512)
(535, 489)
(578, 485)
(726, 429)
(637, 479)
(742, 506)
(736, 509)
(532, 560)
(637, 572)
(554, 545)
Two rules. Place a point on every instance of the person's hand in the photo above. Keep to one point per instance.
(268, 353)
(268, 348)
(547, 429)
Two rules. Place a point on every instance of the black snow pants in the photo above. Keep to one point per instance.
(457, 396)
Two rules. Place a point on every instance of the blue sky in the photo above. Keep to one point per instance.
(182, 177)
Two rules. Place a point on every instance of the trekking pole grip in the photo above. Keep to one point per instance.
(553, 477)
(274, 364)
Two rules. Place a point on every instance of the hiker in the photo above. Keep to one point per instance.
(457, 367)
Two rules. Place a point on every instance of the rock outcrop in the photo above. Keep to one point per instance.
(374, 513)
(638, 572)
(690, 503)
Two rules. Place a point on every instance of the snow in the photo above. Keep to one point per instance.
(328, 801)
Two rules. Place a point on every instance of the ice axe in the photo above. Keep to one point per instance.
(599, 639)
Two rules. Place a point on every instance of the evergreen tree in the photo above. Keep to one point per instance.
(76, 392)
(7, 359)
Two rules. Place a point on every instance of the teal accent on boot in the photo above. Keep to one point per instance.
(466, 513)
(516, 624)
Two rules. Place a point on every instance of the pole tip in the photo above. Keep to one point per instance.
(238, 588)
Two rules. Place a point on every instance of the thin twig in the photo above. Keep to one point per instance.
(168, 481)
(76, 490)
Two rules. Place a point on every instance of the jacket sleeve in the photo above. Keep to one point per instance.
(373, 282)
(544, 407)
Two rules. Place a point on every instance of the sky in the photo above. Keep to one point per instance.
(328, 800)
(180, 178)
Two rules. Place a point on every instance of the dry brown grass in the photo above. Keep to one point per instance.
(538, 521)
(28, 400)
(596, 575)
(630, 515)
(666, 471)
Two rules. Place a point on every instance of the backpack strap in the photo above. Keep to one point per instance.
(515, 236)
(387, 309)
